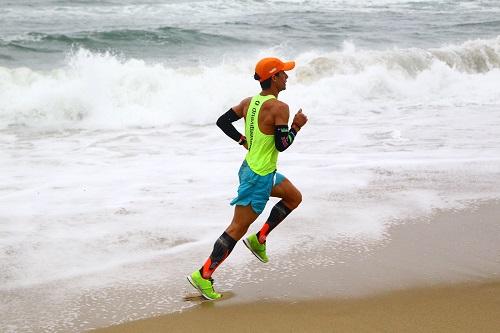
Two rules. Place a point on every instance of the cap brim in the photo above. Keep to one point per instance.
(288, 65)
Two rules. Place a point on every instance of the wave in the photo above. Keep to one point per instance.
(480, 24)
(104, 90)
(479, 56)
(36, 41)
(6, 57)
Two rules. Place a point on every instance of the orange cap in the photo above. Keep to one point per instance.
(267, 67)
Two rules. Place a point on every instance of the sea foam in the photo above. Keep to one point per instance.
(104, 90)
(109, 161)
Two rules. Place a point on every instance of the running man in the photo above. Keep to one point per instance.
(266, 134)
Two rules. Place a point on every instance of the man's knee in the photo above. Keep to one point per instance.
(243, 217)
(298, 198)
(294, 199)
(236, 231)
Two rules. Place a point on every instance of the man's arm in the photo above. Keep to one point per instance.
(283, 137)
(225, 122)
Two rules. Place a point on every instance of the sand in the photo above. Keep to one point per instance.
(436, 274)
(461, 308)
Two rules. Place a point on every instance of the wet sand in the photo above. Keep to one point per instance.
(435, 274)
(460, 308)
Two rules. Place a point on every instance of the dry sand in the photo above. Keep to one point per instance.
(440, 274)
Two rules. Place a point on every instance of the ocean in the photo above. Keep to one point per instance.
(114, 176)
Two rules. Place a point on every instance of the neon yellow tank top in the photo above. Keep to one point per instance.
(262, 154)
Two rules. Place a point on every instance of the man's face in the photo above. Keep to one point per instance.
(280, 80)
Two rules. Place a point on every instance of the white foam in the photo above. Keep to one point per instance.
(104, 91)
(110, 160)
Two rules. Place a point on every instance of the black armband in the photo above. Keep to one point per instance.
(283, 137)
(225, 124)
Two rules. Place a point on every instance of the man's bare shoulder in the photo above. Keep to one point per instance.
(246, 101)
(280, 112)
(278, 106)
(241, 108)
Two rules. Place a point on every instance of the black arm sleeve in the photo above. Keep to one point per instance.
(283, 137)
(225, 124)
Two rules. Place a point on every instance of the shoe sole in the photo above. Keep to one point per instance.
(247, 244)
(196, 287)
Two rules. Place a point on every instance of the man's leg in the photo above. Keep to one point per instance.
(201, 279)
(242, 218)
(290, 199)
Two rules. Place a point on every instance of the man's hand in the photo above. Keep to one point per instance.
(299, 120)
(243, 142)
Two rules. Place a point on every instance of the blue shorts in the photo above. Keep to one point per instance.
(255, 189)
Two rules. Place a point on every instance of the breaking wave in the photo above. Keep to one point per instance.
(105, 90)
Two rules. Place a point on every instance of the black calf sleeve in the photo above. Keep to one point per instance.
(222, 248)
(278, 214)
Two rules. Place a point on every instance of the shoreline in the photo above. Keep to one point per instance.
(458, 308)
(435, 273)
